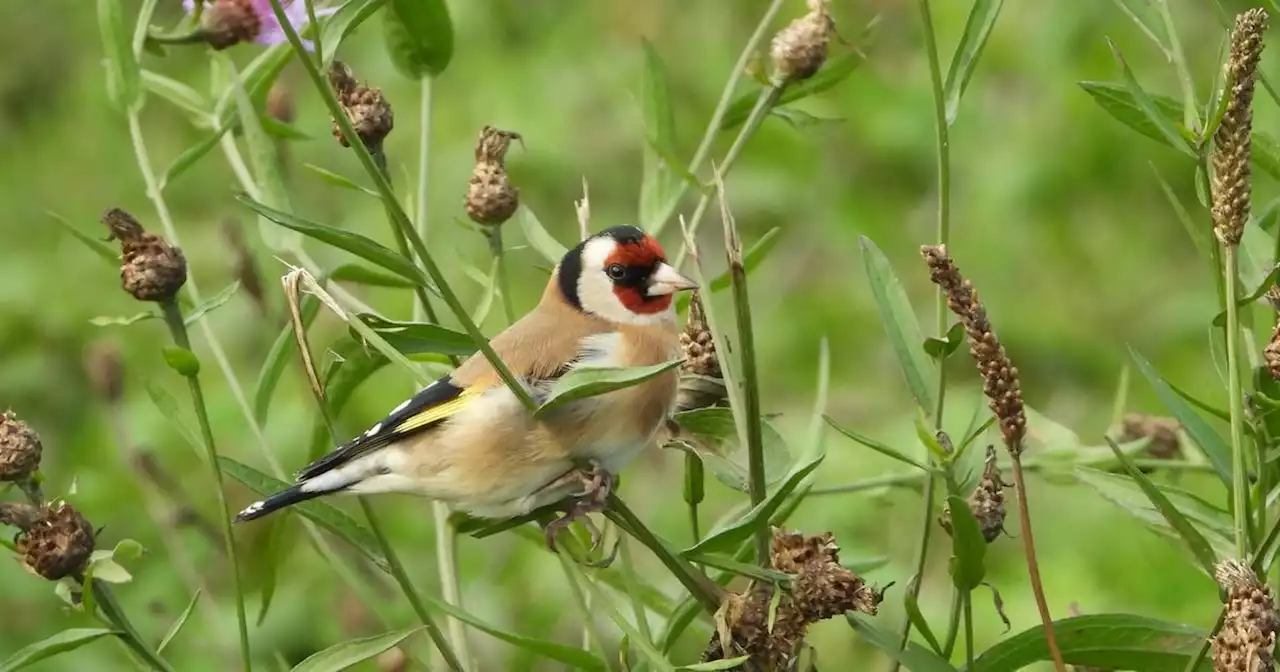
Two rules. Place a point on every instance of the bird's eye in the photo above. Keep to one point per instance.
(616, 271)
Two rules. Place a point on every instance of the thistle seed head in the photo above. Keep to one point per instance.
(1249, 628)
(799, 50)
(58, 542)
(491, 199)
(227, 23)
(369, 112)
(701, 381)
(150, 268)
(20, 449)
(1271, 354)
(1233, 139)
(1162, 432)
(999, 376)
(986, 502)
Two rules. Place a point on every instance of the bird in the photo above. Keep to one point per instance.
(468, 441)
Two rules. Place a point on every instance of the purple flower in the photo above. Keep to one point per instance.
(229, 22)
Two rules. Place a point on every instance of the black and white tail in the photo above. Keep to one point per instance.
(337, 479)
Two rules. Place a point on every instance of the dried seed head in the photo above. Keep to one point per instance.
(1249, 628)
(1233, 139)
(491, 199)
(999, 376)
(227, 23)
(105, 369)
(20, 449)
(244, 269)
(822, 588)
(986, 502)
(800, 49)
(1163, 432)
(1271, 354)
(366, 108)
(57, 544)
(151, 269)
(701, 381)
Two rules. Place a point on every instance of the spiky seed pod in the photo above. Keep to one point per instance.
(701, 380)
(491, 198)
(999, 376)
(986, 501)
(20, 449)
(151, 269)
(1233, 139)
(822, 588)
(799, 50)
(1249, 628)
(57, 544)
(1271, 355)
(105, 368)
(367, 109)
(1163, 432)
(227, 23)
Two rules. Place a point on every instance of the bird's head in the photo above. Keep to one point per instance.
(621, 274)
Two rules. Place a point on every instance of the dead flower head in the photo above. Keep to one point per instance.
(366, 108)
(57, 542)
(822, 588)
(1162, 432)
(1249, 628)
(999, 376)
(701, 381)
(20, 449)
(491, 198)
(799, 50)
(986, 502)
(151, 269)
(1233, 139)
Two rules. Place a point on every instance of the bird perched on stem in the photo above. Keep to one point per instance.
(467, 440)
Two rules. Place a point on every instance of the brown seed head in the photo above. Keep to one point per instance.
(986, 502)
(20, 449)
(1233, 139)
(1271, 355)
(800, 49)
(701, 381)
(491, 199)
(1163, 432)
(366, 108)
(105, 369)
(150, 269)
(1249, 628)
(57, 544)
(227, 23)
(822, 588)
(999, 376)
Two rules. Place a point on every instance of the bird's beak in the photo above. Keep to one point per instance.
(667, 280)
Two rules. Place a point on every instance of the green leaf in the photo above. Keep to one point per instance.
(589, 381)
(715, 665)
(900, 322)
(280, 130)
(968, 548)
(212, 303)
(321, 513)
(912, 605)
(182, 360)
(100, 248)
(882, 448)
(1218, 452)
(1118, 101)
(416, 338)
(190, 156)
(941, 348)
(124, 80)
(1109, 641)
(740, 568)
(363, 275)
(64, 641)
(751, 260)
(351, 242)
(801, 120)
(1200, 235)
(256, 79)
(177, 625)
(342, 656)
(538, 238)
(177, 93)
(1162, 124)
(419, 36)
(658, 189)
(1195, 541)
(278, 357)
(982, 17)
(915, 658)
(273, 555)
(265, 161)
(340, 181)
(717, 435)
(343, 22)
(118, 321)
(168, 407)
(726, 537)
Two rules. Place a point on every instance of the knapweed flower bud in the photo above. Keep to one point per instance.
(491, 199)
(799, 50)
(227, 23)
(103, 365)
(151, 269)
(986, 502)
(20, 449)
(58, 543)
(999, 377)
(1233, 140)
(701, 380)
(1249, 627)
(1162, 432)
(366, 108)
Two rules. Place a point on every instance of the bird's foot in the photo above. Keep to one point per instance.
(597, 484)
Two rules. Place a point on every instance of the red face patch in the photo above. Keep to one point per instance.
(635, 300)
(644, 254)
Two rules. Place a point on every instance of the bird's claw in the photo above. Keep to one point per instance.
(597, 484)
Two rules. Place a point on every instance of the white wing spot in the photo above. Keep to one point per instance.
(374, 429)
(402, 406)
(253, 508)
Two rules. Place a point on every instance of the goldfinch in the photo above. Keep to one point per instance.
(467, 440)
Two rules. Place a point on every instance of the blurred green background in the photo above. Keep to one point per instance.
(1058, 219)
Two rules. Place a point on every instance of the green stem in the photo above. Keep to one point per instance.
(707, 593)
(178, 329)
(694, 484)
(1239, 482)
(115, 614)
(314, 27)
(411, 593)
(399, 217)
(953, 624)
(1204, 646)
(1033, 565)
(768, 98)
(494, 234)
(967, 600)
(922, 550)
(757, 485)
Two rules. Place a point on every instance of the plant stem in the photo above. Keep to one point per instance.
(922, 550)
(1239, 487)
(953, 624)
(694, 482)
(406, 585)
(757, 486)
(400, 219)
(768, 98)
(1033, 566)
(494, 234)
(1208, 641)
(703, 589)
(967, 600)
(115, 615)
(177, 328)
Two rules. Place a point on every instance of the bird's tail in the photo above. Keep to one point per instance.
(286, 497)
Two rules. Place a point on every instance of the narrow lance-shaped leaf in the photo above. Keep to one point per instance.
(657, 188)
(912, 605)
(104, 251)
(176, 92)
(416, 338)
(900, 323)
(190, 156)
(419, 36)
(982, 17)
(282, 351)
(1214, 524)
(179, 623)
(212, 303)
(1162, 124)
(1218, 452)
(914, 657)
(344, 655)
(586, 381)
(339, 180)
(968, 548)
(67, 640)
(339, 26)
(879, 447)
(1108, 641)
(538, 237)
(751, 259)
(363, 275)
(265, 161)
(124, 80)
(728, 536)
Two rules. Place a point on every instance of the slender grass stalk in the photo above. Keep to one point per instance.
(178, 330)
(967, 600)
(398, 216)
(1239, 482)
(706, 592)
(1033, 566)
